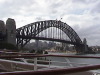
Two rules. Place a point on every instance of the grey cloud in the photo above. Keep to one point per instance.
(56, 4)
(80, 1)
(13, 7)
(90, 33)
(84, 1)
(39, 18)
(76, 27)
(90, 30)
(96, 8)
(28, 9)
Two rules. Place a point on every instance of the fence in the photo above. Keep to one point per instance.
(48, 71)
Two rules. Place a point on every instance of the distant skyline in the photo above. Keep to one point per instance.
(82, 15)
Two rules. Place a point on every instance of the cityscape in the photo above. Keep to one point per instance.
(48, 37)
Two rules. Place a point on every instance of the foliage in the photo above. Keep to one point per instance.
(39, 52)
(45, 52)
(8, 46)
(32, 51)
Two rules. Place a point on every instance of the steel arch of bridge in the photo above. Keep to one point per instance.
(27, 32)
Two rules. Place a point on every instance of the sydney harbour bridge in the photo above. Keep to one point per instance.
(50, 30)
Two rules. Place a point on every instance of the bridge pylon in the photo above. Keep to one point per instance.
(11, 31)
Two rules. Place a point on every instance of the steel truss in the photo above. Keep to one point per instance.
(30, 31)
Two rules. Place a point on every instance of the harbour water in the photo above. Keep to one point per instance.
(76, 61)
(63, 62)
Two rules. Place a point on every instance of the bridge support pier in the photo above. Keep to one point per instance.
(79, 48)
(11, 31)
(37, 44)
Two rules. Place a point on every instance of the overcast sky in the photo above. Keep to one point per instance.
(82, 15)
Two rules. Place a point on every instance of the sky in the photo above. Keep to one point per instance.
(82, 15)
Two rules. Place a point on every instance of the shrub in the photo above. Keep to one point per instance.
(8, 46)
(45, 52)
(39, 52)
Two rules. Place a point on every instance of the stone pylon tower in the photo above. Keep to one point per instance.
(11, 31)
(2, 27)
(2, 31)
(85, 44)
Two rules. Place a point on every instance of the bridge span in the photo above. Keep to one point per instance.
(34, 31)
(50, 30)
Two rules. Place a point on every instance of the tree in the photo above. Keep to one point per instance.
(8, 46)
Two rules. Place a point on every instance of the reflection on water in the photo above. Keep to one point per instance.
(83, 61)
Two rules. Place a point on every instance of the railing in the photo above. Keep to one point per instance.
(49, 69)
(2, 67)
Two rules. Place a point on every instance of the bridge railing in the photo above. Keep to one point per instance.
(49, 69)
